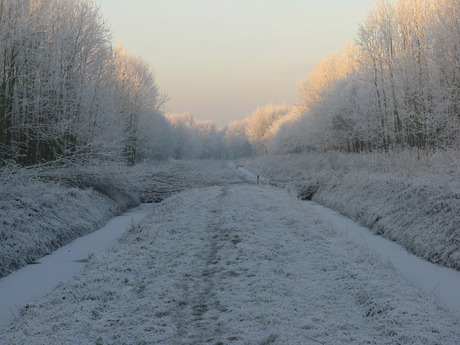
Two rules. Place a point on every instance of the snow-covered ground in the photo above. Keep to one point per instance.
(442, 282)
(235, 263)
(436, 280)
(46, 273)
(412, 198)
(42, 209)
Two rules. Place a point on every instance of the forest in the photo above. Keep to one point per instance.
(69, 93)
(396, 87)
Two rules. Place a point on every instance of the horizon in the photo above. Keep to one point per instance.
(220, 62)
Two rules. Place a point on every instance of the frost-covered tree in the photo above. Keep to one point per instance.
(397, 87)
(236, 140)
(186, 143)
(154, 140)
(209, 137)
(51, 52)
(258, 125)
(288, 134)
(324, 75)
(66, 92)
(138, 104)
(319, 125)
(411, 49)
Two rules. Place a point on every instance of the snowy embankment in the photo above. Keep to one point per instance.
(43, 209)
(46, 273)
(235, 264)
(412, 200)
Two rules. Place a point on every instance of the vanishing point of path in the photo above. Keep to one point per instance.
(235, 264)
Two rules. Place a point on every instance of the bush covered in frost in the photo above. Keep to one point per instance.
(411, 198)
(44, 208)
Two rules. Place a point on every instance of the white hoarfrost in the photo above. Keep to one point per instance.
(235, 264)
(46, 273)
(437, 280)
(410, 198)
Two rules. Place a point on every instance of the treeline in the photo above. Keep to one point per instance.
(66, 91)
(396, 87)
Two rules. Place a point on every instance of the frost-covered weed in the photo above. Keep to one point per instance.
(412, 198)
(37, 217)
(43, 209)
(244, 264)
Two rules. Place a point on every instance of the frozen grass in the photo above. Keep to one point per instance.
(43, 209)
(234, 264)
(410, 198)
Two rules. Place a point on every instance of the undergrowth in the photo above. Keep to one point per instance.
(412, 198)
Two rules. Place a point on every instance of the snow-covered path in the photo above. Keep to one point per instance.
(235, 264)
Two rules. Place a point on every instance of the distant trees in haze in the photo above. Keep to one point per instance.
(236, 140)
(260, 123)
(194, 139)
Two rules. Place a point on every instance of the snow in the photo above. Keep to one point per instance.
(236, 263)
(409, 198)
(442, 282)
(250, 175)
(42, 209)
(16, 289)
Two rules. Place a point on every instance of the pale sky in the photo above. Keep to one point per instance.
(221, 59)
